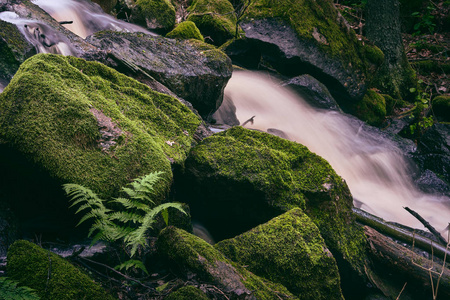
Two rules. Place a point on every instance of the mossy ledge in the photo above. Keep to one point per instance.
(214, 18)
(50, 275)
(372, 108)
(86, 123)
(289, 250)
(188, 253)
(186, 30)
(251, 177)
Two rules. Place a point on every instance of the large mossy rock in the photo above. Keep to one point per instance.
(85, 123)
(189, 254)
(156, 14)
(14, 50)
(239, 178)
(298, 37)
(195, 71)
(289, 250)
(215, 19)
(50, 275)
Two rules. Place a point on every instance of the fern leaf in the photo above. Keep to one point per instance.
(10, 290)
(132, 263)
(131, 204)
(125, 217)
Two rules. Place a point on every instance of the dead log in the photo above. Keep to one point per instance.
(392, 257)
(401, 234)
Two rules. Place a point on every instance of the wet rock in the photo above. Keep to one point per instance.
(14, 50)
(50, 275)
(289, 250)
(313, 91)
(434, 150)
(193, 70)
(430, 183)
(187, 253)
(82, 122)
(250, 177)
(305, 37)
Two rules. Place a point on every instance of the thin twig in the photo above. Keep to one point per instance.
(398, 297)
(441, 240)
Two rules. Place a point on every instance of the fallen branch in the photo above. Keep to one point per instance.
(441, 240)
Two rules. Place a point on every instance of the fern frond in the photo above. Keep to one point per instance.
(142, 187)
(131, 204)
(132, 263)
(10, 290)
(125, 217)
(137, 238)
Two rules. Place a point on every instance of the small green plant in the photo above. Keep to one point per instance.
(421, 107)
(130, 223)
(10, 290)
(425, 21)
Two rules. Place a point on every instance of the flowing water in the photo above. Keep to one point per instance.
(372, 165)
(86, 17)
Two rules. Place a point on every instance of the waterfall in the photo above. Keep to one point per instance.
(86, 17)
(372, 165)
(44, 38)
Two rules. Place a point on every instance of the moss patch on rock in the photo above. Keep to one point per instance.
(289, 250)
(86, 123)
(316, 21)
(188, 253)
(50, 275)
(14, 49)
(441, 107)
(158, 14)
(251, 177)
(372, 108)
(186, 30)
(214, 18)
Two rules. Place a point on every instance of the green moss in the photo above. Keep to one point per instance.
(188, 293)
(441, 107)
(214, 18)
(50, 275)
(14, 49)
(373, 54)
(190, 253)
(159, 12)
(106, 5)
(289, 250)
(372, 108)
(186, 30)
(51, 113)
(431, 66)
(266, 175)
(308, 17)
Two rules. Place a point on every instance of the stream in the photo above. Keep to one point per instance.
(377, 173)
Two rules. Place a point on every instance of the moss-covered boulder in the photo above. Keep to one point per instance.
(14, 50)
(187, 253)
(441, 107)
(250, 177)
(193, 70)
(297, 37)
(186, 30)
(156, 14)
(288, 250)
(85, 123)
(187, 293)
(50, 275)
(372, 108)
(215, 19)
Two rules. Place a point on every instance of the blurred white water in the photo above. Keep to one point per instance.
(373, 167)
(87, 17)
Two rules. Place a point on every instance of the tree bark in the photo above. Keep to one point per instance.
(409, 267)
(395, 77)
